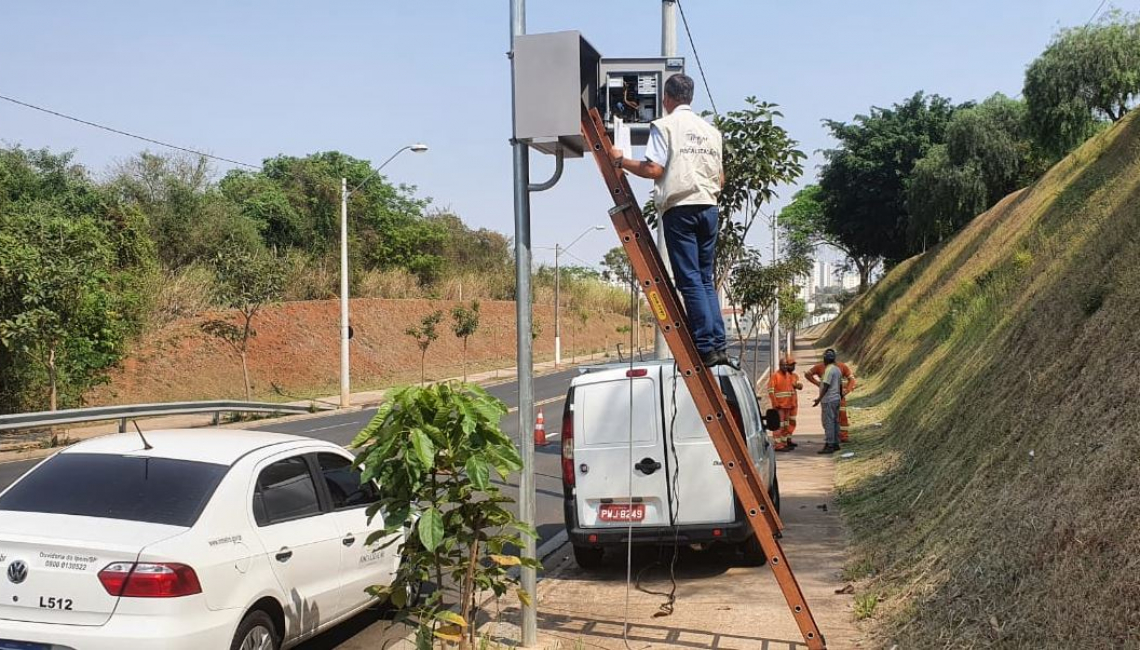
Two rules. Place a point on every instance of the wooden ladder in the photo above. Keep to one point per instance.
(724, 430)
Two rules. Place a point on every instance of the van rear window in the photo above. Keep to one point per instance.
(134, 488)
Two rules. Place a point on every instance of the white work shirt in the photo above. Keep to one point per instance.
(657, 150)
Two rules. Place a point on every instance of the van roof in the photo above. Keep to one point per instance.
(604, 371)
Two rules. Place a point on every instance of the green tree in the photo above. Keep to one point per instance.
(72, 261)
(465, 321)
(616, 266)
(863, 182)
(988, 153)
(189, 219)
(432, 451)
(803, 226)
(1087, 75)
(425, 334)
(248, 280)
(759, 155)
(756, 287)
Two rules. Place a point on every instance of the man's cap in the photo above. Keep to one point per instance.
(790, 360)
(829, 355)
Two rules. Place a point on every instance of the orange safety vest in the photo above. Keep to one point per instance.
(782, 389)
(848, 376)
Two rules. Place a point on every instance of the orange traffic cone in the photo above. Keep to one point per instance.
(540, 430)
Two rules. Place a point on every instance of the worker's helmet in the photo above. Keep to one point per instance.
(829, 355)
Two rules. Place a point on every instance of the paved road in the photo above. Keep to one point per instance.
(549, 393)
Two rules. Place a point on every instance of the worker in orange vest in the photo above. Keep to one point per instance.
(848, 384)
(782, 387)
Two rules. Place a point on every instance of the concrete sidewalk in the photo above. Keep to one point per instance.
(719, 604)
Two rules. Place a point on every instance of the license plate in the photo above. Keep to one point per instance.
(622, 512)
(5, 644)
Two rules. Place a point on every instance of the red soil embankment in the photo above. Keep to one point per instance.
(297, 348)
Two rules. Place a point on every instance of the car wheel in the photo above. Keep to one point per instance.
(589, 557)
(752, 552)
(256, 632)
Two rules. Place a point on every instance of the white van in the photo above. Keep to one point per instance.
(680, 491)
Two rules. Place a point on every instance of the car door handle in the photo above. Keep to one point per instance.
(348, 541)
(647, 466)
(283, 555)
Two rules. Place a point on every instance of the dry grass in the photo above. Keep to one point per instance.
(997, 507)
(179, 294)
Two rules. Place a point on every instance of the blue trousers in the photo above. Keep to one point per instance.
(690, 234)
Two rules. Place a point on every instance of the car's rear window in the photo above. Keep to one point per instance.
(135, 488)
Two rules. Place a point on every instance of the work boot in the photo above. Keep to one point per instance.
(782, 446)
(828, 449)
(791, 445)
(714, 358)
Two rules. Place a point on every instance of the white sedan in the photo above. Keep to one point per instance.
(206, 540)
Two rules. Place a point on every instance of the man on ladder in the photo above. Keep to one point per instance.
(684, 161)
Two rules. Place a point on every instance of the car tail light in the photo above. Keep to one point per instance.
(637, 372)
(568, 442)
(149, 580)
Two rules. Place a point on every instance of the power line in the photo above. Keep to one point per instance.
(125, 133)
(697, 56)
(1097, 12)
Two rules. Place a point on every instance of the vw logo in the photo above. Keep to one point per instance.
(18, 571)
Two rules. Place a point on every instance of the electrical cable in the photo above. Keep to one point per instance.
(666, 608)
(1097, 12)
(126, 133)
(629, 493)
(697, 56)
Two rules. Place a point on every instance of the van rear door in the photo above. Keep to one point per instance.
(704, 492)
(605, 467)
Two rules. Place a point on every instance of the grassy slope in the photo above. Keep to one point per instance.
(999, 504)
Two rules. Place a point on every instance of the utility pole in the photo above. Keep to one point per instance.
(557, 304)
(345, 329)
(774, 335)
(345, 398)
(558, 250)
(525, 355)
(668, 48)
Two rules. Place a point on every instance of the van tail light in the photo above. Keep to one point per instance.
(637, 372)
(568, 442)
(149, 580)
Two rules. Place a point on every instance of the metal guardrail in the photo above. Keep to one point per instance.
(124, 414)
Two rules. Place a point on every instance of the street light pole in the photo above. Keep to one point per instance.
(558, 290)
(345, 398)
(345, 393)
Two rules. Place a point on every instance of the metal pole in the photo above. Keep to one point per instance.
(774, 335)
(668, 48)
(344, 387)
(557, 302)
(525, 356)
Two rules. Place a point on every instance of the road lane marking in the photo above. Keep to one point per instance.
(515, 409)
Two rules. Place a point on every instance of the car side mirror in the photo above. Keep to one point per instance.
(772, 420)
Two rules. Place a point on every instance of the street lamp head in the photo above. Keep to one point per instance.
(418, 147)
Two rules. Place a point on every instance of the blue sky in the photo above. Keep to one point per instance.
(251, 79)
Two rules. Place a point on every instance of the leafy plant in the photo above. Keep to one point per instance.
(466, 322)
(432, 450)
(425, 334)
(865, 605)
